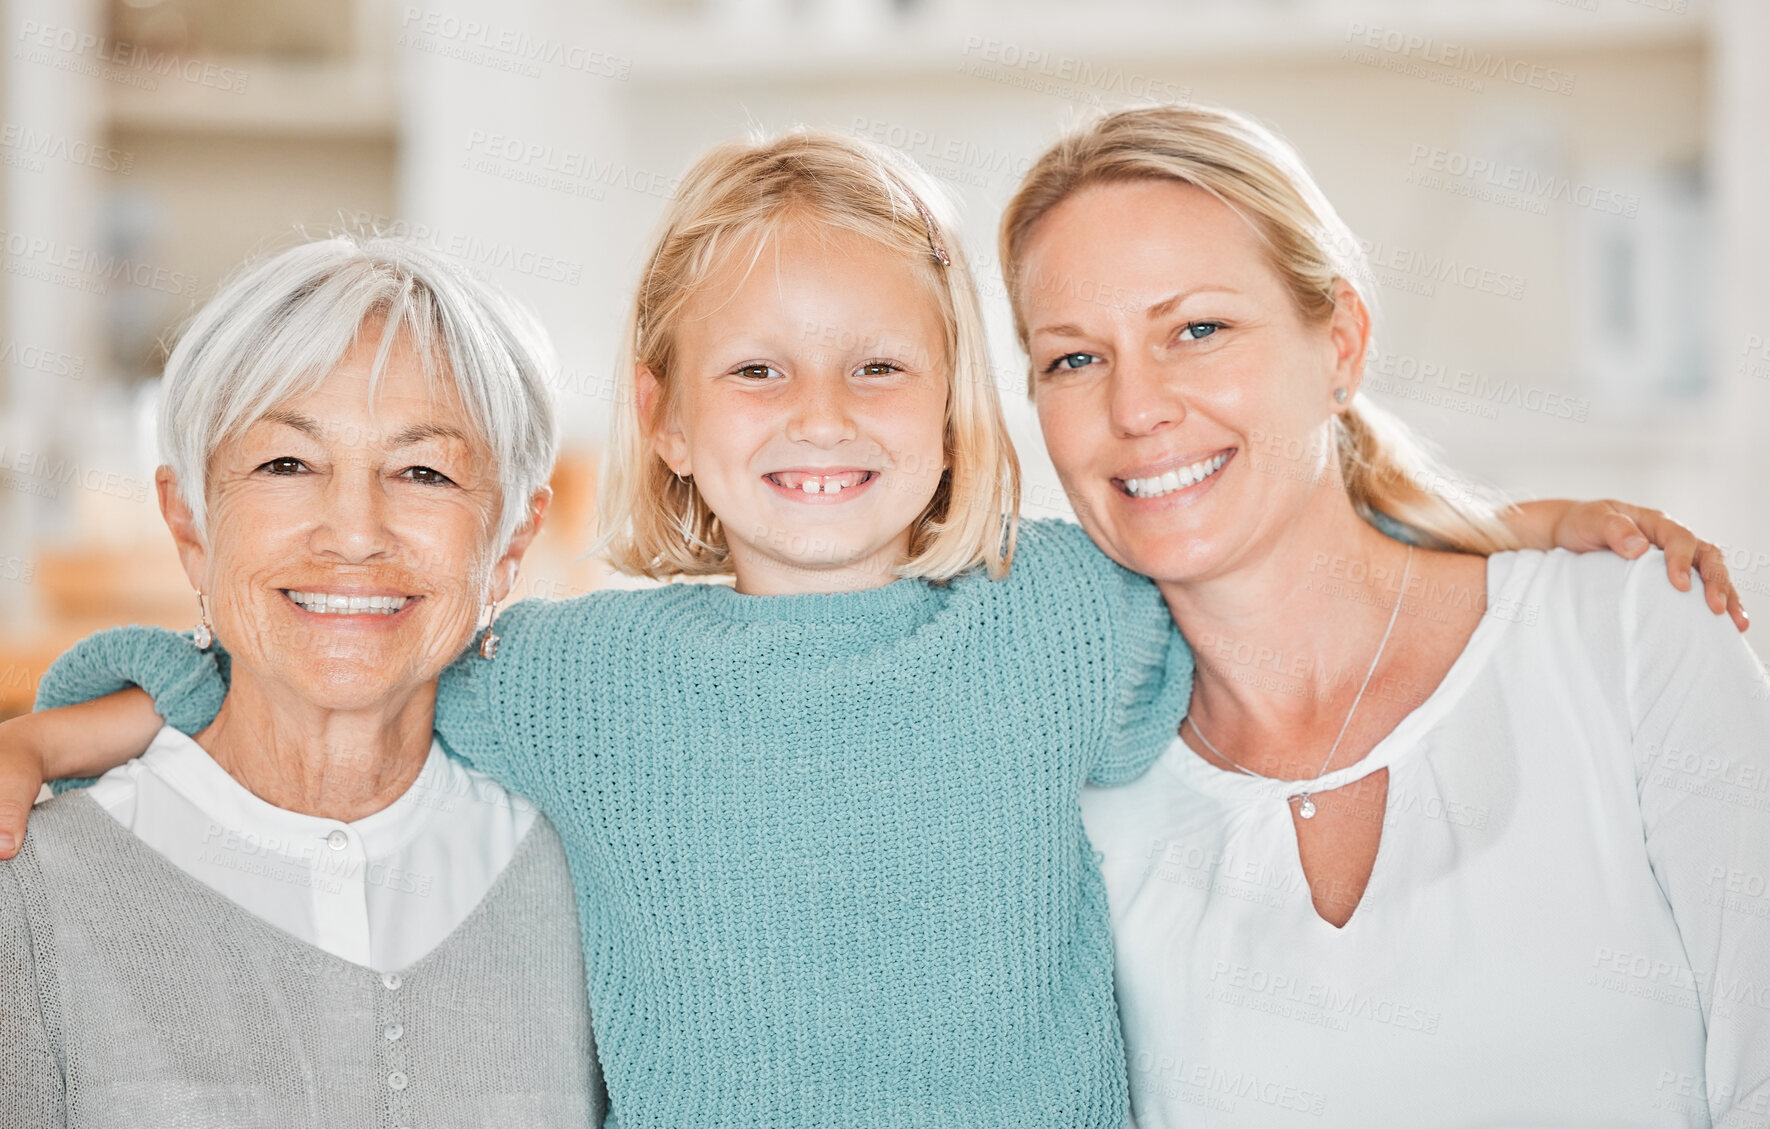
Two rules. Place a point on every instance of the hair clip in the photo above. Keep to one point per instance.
(934, 243)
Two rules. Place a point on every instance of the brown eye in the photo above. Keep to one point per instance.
(427, 476)
(284, 466)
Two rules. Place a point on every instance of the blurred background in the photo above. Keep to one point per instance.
(1564, 202)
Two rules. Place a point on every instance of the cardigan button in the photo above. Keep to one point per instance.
(392, 1032)
(396, 1081)
(391, 981)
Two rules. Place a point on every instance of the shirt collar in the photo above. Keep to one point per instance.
(188, 769)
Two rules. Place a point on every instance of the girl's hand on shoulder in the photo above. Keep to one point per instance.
(21, 778)
(1628, 531)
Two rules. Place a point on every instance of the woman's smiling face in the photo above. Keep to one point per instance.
(1185, 401)
(809, 405)
(348, 550)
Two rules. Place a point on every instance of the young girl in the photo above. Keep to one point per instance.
(824, 821)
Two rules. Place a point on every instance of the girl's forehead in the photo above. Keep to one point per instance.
(808, 273)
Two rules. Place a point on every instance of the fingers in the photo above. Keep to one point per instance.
(1679, 543)
(17, 794)
(1624, 536)
(1717, 584)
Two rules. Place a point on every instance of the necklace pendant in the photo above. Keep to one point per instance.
(1307, 809)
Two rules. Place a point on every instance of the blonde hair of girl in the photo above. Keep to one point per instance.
(1389, 472)
(730, 202)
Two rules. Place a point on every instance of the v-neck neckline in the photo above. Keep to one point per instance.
(1396, 746)
(128, 840)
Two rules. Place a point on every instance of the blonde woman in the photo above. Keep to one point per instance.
(1453, 834)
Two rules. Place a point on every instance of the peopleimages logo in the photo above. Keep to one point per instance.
(98, 267)
(1525, 182)
(512, 44)
(134, 61)
(1459, 59)
(39, 146)
(1092, 80)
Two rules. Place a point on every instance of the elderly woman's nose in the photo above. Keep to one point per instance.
(353, 522)
(1141, 397)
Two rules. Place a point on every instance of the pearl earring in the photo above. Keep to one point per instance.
(1340, 395)
(488, 643)
(202, 636)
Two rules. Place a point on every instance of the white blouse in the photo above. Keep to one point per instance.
(381, 892)
(1568, 923)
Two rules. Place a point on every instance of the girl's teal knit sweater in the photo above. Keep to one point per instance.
(828, 849)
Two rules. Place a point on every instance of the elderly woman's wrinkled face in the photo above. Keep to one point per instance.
(348, 550)
(1184, 399)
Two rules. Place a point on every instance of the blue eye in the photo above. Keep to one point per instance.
(1071, 361)
(1200, 330)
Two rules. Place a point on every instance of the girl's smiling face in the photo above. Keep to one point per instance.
(809, 403)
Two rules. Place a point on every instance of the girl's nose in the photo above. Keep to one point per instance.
(821, 412)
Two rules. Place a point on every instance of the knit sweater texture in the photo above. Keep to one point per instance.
(133, 996)
(828, 848)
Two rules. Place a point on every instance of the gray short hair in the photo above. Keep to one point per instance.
(276, 329)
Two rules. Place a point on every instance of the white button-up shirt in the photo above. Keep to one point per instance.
(380, 892)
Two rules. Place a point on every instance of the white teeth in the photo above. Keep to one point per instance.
(331, 603)
(819, 485)
(1179, 479)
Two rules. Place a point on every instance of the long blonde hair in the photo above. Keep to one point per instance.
(658, 525)
(1389, 473)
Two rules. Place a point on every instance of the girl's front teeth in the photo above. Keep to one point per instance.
(819, 483)
(328, 603)
(1178, 479)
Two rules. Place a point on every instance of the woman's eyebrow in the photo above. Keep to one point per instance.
(1152, 313)
(288, 417)
(1166, 305)
(405, 437)
(418, 432)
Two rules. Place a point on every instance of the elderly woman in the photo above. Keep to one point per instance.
(308, 914)
(1452, 834)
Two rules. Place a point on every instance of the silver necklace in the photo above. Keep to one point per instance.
(1307, 808)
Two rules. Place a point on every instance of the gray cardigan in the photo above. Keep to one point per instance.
(131, 995)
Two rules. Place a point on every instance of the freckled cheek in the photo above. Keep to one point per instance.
(914, 443)
(724, 439)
